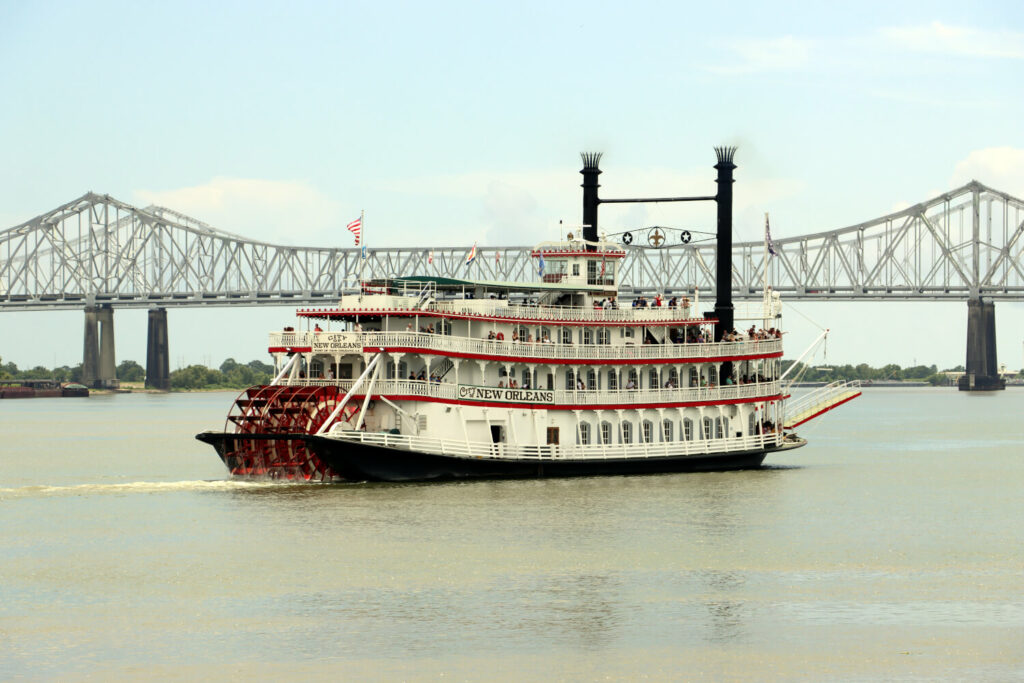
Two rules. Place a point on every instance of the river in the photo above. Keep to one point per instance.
(891, 548)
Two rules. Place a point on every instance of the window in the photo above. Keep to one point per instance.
(545, 335)
(584, 434)
(688, 429)
(721, 427)
(613, 380)
(652, 379)
(627, 432)
(588, 335)
(444, 326)
(592, 380)
(567, 335)
(752, 424)
(634, 379)
(553, 435)
(575, 269)
(708, 426)
(628, 332)
(673, 377)
(666, 430)
(712, 376)
(648, 431)
(694, 379)
(604, 335)
(606, 432)
(592, 272)
(570, 379)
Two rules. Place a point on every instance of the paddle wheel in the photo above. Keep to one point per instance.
(263, 411)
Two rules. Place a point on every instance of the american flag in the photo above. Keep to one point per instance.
(430, 256)
(472, 255)
(356, 228)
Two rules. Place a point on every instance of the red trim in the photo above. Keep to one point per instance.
(822, 412)
(560, 361)
(337, 314)
(591, 254)
(563, 406)
(290, 349)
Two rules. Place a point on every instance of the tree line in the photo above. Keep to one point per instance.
(863, 371)
(230, 375)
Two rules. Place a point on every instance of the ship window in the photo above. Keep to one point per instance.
(694, 379)
(583, 437)
(613, 381)
(545, 335)
(567, 335)
(688, 429)
(591, 380)
(627, 432)
(575, 269)
(666, 430)
(626, 332)
(712, 376)
(648, 431)
(604, 335)
(570, 380)
(588, 335)
(634, 379)
(721, 427)
(606, 432)
(708, 426)
(673, 377)
(553, 435)
(444, 326)
(592, 272)
(652, 378)
(752, 424)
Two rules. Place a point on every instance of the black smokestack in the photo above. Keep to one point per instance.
(723, 287)
(590, 201)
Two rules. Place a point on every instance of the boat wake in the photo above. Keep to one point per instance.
(134, 487)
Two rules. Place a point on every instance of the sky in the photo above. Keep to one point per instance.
(451, 122)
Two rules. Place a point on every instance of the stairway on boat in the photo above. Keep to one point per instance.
(820, 401)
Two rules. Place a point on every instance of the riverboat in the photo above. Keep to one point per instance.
(424, 378)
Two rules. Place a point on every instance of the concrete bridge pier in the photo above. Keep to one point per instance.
(982, 368)
(99, 367)
(158, 361)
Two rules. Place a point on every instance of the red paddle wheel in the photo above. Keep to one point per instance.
(291, 411)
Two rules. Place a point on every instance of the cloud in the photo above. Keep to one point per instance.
(777, 54)
(1001, 168)
(279, 211)
(956, 40)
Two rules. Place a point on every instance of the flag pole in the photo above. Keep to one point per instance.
(362, 251)
(764, 277)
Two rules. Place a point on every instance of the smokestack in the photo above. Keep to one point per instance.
(723, 296)
(590, 201)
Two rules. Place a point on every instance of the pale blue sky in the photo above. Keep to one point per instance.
(454, 122)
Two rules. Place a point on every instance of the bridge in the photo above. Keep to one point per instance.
(97, 253)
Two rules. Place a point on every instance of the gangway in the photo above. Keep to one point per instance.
(820, 401)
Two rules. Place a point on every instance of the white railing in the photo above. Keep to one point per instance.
(582, 397)
(349, 342)
(514, 451)
(820, 396)
(504, 309)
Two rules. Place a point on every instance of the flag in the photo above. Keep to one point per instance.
(472, 254)
(540, 265)
(356, 228)
(768, 237)
(364, 251)
(430, 256)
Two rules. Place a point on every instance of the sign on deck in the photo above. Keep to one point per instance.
(337, 342)
(468, 392)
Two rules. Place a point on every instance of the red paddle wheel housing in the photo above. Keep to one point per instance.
(290, 411)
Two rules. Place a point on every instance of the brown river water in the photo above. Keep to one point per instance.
(890, 548)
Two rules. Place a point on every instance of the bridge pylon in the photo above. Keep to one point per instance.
(99, 367)
(982, 367)
(158, 372)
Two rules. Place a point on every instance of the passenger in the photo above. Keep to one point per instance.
(579, 385)
(490, 335)
(500, 336)
(317, 329)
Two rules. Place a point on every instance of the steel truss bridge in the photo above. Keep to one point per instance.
(97, 251)
(964, 244)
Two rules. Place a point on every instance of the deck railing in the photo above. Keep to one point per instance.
(347, 342)
(582, 397)
(509, 451)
